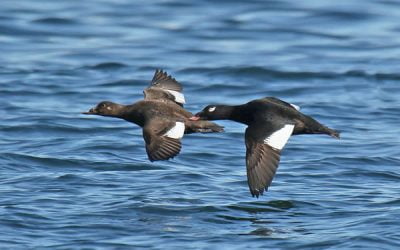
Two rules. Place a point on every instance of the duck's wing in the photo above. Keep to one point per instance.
(164, 87)
(263, 148)
(162, 138)
(280, 102)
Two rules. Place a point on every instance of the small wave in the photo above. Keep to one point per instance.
(15, 31)
(259, 72)
(340, 16)
(128, 83)
(72, 163)
(221, 87)
(282, 204)
(254, 208)
(262, 231)
(387, 175)
(55, 20)
(177, 210)
(262, 72)
(108, 66)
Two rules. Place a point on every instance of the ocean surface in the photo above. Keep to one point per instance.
(70, 181)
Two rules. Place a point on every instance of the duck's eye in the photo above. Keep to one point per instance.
(211, 109)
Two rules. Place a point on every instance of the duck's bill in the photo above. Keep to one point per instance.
(90, 112)
(194, 118)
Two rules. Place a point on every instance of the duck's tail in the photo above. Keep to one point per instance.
(202, 127)
(332, 132)
(311, 126)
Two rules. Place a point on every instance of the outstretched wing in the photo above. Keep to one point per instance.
(162, 138)
(164, 87)
(264, 143)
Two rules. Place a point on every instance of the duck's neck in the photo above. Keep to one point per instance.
(133, 113)
(235, 113)
(240, 114)
(118, 111)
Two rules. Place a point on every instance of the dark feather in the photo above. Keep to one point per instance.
(160, 86)
(158, 146)
(262, 162)
(162, 80)
(163, 148)
(261, 159)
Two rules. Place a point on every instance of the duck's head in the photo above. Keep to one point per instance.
(211, 112)
(105, 108)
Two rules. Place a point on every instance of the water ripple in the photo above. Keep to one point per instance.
(74, 181)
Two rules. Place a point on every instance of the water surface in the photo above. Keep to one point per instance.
(73, 181)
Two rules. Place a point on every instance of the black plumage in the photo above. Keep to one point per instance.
(270, 124)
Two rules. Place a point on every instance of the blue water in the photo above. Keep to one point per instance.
(74, 181)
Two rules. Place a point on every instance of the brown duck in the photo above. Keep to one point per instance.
(161, 115)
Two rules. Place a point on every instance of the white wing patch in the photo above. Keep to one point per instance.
(295, 106)
(176, 131)
(279, 138)
(179, 97)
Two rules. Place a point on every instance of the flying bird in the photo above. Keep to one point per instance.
(270, 122)
(161, 115)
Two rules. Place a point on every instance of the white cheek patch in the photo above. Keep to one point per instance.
(295, 106)
(179, 97)
(279, 138)
(108, 107)
(176, 131)
(212, 109)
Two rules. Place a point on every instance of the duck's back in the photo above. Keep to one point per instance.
(266, 109)
(142, 111)
(274, 105)
(280, 112)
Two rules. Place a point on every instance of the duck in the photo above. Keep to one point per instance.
(270, 123)
(161, 116)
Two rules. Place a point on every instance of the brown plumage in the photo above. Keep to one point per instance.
(161, 115)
